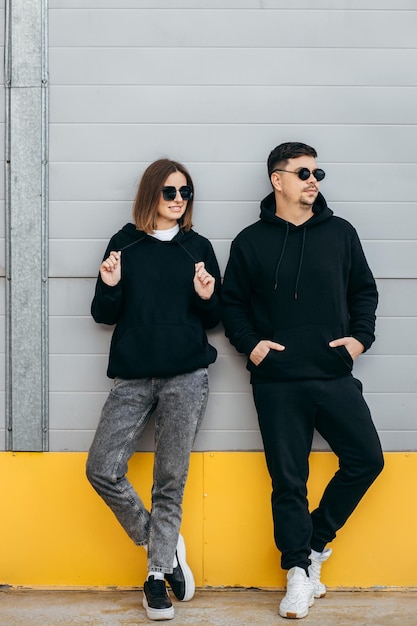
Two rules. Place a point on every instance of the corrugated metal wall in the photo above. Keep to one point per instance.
(217, 84)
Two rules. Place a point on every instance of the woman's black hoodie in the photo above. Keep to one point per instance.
(301, 286)
(160, 320)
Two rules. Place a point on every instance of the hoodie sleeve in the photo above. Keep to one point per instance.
(107, 304)
(362, 296)
(236, 296)
(209, 310)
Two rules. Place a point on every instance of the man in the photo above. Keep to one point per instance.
(299, 300)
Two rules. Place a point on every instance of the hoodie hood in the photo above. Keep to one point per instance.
(133, 236)
(320, 209)
(321, 213)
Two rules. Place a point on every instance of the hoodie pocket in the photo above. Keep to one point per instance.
(161, 351)
(307, 354)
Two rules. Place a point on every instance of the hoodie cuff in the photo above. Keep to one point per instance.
(248, 344)
(206, 304)
(365, 340)
(110, 292)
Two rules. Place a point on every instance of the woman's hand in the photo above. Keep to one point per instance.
(203, 282)
(111, 269)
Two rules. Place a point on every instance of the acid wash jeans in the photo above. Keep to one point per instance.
(178, 403)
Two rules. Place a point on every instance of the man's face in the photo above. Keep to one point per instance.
(293, 190)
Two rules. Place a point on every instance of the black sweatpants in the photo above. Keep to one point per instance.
(288, 413)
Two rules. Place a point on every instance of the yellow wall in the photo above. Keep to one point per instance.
(55, 530)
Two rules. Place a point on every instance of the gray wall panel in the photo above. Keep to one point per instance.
(392, 259)
(234, 4)
(70, 440)
(172, 4)
(75, 410)
(399, 441)
(398, 374)
(77, 335)
(394, 336)
(233, 66)
(223, 142)
(214, 28)
(231, 91)
(233, 104)
(393, 411)
(397, 297)
(72, 373)
(71, 296)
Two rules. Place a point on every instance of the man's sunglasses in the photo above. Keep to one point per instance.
(304, 173)
(170, 193)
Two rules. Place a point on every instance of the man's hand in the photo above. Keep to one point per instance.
(352, 345)
(203, 282)
(111, 269)
(262, 348)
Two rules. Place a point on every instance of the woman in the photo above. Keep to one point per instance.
(159, 284)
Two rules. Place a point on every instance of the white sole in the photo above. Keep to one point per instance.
(157, 615)
(188, 575)
(295, 614)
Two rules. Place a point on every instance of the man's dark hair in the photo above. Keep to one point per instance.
(289, 150)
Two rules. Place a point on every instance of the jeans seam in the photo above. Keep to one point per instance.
(128, 440)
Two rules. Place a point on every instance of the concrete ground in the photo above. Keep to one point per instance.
(208, 608)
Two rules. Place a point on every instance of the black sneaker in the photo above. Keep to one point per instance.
(156, 600)
(181, 580)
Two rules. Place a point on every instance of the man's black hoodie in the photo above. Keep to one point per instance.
(301, 286)
(160, 320)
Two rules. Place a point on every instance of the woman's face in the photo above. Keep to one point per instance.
(170, 211)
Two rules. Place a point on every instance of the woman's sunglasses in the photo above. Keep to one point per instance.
(170, 193)
(304, 173)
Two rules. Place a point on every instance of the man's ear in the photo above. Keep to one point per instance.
(276, 180)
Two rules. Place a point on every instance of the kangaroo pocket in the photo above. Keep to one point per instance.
(160, 351)
(307, 354)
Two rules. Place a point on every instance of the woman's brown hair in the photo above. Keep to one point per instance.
(145, 206)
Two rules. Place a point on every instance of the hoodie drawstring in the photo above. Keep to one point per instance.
(142, 238)
(132, 244)
(188, 252)
(284, 245)
(300, 264)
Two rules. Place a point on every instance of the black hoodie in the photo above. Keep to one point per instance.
(301, 286)
(160, 320)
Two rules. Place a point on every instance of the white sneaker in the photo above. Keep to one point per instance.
(299, 596)
(317, 559)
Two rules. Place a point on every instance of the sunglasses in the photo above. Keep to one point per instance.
(170, 193)
(304, 173)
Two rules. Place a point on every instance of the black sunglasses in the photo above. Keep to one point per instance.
(170, 192)
(304, 173)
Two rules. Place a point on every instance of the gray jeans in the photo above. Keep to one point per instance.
(179, 404)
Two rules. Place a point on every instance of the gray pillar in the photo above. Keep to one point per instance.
(26, 81)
